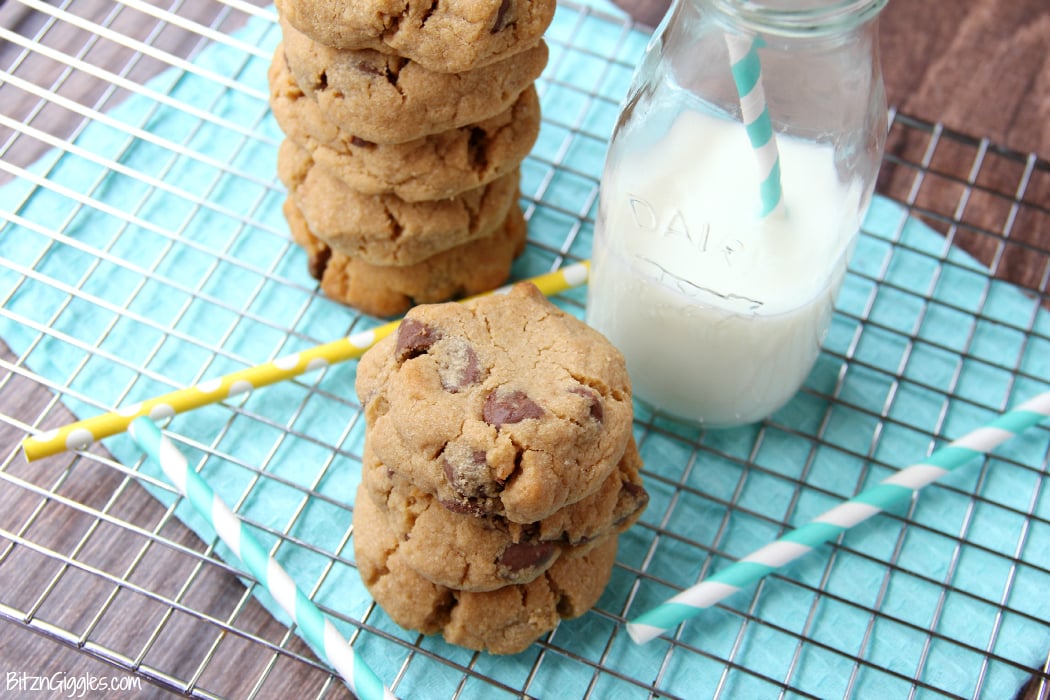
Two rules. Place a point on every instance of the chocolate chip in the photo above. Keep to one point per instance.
(465, 507)
(501, 16)
(477, 148)
(636, 491)
(370, 69)
(317, 262)
(467, 471)
(413, 339)
(633, 499)
(460, 368)
(527, 555)
(361, 143)
(390, 72)
(597, 412)
(513, 407)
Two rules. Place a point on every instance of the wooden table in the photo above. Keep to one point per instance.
(978, 67)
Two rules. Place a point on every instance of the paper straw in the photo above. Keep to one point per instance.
(79, 435)
(316, 627)
(747, 74)
(894, 489)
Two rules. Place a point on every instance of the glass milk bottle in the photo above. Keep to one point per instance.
(736, 179)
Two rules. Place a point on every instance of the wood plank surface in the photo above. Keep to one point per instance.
(981, 67)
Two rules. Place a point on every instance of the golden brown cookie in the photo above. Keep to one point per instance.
(433, 167)
(385, 229)
(483, 552)
(451, 36)
(471, 268)
(503, 405)
(503, 621)
(389, 99)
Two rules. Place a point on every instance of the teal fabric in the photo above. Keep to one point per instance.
(180, 223)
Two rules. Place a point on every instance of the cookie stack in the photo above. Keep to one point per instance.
(406, 124)
(499, 469)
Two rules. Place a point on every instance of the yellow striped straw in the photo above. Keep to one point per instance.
(80, 434)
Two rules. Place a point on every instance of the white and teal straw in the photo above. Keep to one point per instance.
(747, 74)
(894, 489)
(315, 625)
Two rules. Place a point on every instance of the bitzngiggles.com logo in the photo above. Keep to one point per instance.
(69, 686)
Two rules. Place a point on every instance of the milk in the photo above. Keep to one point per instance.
(719, 312)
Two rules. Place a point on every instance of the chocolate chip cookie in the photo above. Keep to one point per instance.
(502, 621)
(389, 99)
(388, 290)
(433, 167)
(451, 36)
(385, 229)
(483, 552)
(503, 405)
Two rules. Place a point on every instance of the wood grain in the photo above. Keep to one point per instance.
(981, 67)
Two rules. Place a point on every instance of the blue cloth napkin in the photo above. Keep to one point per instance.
(183, 229)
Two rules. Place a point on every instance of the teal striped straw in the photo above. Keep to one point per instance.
(892, 490)
(316, 627)
(747, 74)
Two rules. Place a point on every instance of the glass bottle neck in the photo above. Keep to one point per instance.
(796, 17)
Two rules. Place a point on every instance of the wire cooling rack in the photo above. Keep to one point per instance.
(143, 250)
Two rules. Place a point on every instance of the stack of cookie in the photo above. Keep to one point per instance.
(406, 124)
(499, 469)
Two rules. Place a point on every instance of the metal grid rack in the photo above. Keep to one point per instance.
(143, 252)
